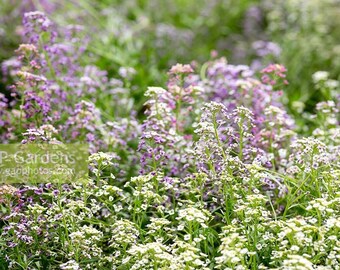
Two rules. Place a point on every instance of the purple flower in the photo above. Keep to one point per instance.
(38, 191)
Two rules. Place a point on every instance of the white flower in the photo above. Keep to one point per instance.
(187, 237)
(320, 76)
(332, 84)
(70, 265)
(154, 91)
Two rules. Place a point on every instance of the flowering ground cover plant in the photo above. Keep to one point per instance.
(213, 176)
(145, 34)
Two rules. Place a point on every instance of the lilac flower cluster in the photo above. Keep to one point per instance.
(51, 79)
(165, 140)
(236, 86)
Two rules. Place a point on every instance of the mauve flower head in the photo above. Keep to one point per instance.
(48, 185)
(38, 191)
(264, 48)
(27, 50)
(34, 23)
(179, 68)
(277, 69)
(10, 68)
(274, 74)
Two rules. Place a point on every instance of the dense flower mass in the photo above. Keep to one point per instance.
(211, 173)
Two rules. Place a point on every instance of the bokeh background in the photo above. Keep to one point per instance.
(150, 36)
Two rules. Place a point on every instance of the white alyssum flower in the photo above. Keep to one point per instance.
(320, 76)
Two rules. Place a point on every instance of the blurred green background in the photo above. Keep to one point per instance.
(150, 36)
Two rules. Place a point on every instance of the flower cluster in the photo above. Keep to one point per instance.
(54, 87)
(214, 176)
